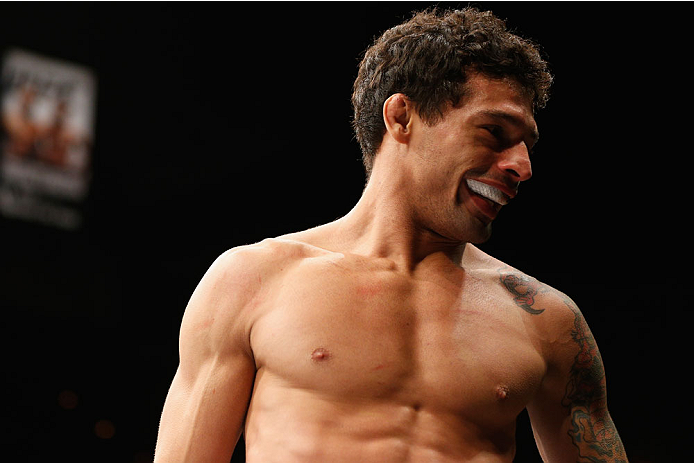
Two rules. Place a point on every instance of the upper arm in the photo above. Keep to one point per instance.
(569, 415)
(206, 405)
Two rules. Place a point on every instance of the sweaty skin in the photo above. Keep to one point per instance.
(386, 336)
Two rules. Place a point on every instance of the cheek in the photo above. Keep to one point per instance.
(443, 156)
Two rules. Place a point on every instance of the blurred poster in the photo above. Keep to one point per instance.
(48, 117)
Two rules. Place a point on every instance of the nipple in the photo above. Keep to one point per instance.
(501, 392)
(320, 354)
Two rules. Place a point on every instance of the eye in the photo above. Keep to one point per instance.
(496, 131)
(493, 129)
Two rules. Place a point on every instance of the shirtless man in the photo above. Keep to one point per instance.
(387, 336)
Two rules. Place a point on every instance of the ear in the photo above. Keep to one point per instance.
(397, 115)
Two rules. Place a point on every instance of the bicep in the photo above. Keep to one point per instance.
(206, 405)
(570, 418)
(204, 411)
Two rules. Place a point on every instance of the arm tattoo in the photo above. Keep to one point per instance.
(524, 290)
(592, 430)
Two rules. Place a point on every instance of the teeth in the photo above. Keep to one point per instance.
(488, 191)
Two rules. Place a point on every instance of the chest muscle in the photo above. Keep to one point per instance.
(379, 336)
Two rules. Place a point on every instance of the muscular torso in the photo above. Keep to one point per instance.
(358, 361)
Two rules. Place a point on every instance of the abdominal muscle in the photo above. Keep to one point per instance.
(297, 425)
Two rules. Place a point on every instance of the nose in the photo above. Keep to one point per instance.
(515, 162)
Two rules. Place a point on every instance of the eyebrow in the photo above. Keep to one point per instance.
(512, 118)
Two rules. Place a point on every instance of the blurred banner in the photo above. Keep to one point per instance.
(48, 111)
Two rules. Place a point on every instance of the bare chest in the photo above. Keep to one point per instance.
(461, 346)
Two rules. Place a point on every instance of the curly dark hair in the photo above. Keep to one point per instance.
(428, 57)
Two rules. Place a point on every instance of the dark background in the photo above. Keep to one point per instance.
(219, 124)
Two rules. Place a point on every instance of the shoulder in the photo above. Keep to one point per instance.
(222, 305)
(260, 259)
(244, 264)
(554, 315)
(241, 272)
(560, 330)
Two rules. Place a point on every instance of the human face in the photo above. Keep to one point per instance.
(469, 165)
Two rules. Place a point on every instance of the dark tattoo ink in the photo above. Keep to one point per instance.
(592, 430)
(524, 290)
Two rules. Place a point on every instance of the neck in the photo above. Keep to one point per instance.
(383, 224)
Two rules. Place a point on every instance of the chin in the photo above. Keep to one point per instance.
(477, 230)
(474, 233)
(463, 228)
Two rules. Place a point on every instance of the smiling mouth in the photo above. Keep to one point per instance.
(488, 192)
